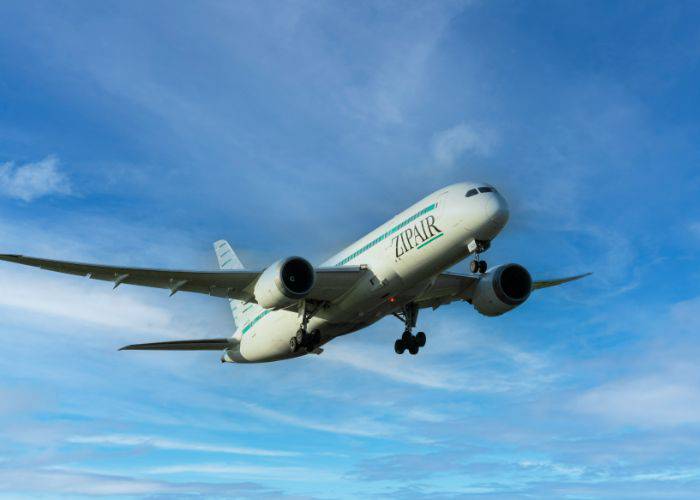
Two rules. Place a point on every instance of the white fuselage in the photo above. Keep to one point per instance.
(403, 256)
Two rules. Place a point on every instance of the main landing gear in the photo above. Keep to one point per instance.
(413, 343)
(303, 338)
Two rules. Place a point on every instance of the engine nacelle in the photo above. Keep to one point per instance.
(284, 282)
(501, 289)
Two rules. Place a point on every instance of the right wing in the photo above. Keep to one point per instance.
(536, 285)
(331, 282)
(449, 287)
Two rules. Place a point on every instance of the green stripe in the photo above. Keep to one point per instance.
(384, 236)
(431, 239)
(256, 319)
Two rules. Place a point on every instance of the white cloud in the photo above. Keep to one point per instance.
(30, 181)
(658, 400)
(84, 302)
(172, 444)
(450, 144)
(425, 415)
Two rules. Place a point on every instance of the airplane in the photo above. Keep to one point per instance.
(292, 308)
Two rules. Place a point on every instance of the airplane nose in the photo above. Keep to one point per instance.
(496, 211)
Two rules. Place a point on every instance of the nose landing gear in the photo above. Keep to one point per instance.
(478, 265)
(413, 343)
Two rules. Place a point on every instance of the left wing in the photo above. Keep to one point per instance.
(449, 287)
(331, 282)
(182, 345)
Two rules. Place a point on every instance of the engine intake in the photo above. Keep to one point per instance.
(502, 289)
(284, 282)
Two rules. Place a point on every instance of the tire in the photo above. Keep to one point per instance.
(399, 346)
(407, 338)
(316, 337)
(474, 266)
(413, 348)
(293, 346)
(483, 266)
(420, 339)
(300, 337)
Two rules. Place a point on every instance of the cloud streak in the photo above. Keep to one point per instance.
(173, 444)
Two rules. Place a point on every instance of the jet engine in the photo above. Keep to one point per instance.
(284, 282)
(501, 289)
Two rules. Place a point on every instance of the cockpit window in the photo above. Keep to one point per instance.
(486, 190)
(471, 192)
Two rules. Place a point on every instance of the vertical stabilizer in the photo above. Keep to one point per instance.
(229, 260)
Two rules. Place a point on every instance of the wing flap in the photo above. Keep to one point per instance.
(447, 288)
(334, 282)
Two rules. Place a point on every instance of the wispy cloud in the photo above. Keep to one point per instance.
(289, 473)
(361, 427)
(387, 364)
(450, 144)
(694, 228)
(68, 481)
(30, 181)
(473, 371)
(173, 444)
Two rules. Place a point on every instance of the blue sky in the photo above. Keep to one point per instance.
(138, 133)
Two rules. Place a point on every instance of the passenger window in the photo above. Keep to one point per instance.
(485, 190)
(471, 192)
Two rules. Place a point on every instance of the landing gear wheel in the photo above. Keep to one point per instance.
(413, 348)
(482, 266)
(300, 336)
(407, 338)
(474, 266)
(420, 339)
(293, 346)
(399, 346)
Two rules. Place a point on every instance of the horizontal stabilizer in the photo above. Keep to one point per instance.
(181, 345)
